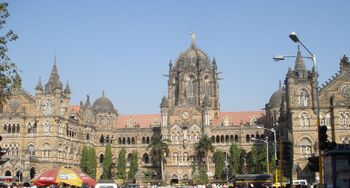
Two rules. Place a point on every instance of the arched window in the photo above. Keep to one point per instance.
(60, 151)
(303, 97)
(190, 88)
(47, 127)
(31, 150)
(46, 150)
(107, 139)
(175, 157)
(101, 158)
(304, 119)
(305, 145)
(185, 157)
(213, 139)
(236, 138)
(207, 85)
(247, 138)
(185, 177)
(102, 139)
(145, 158)
(227, 138)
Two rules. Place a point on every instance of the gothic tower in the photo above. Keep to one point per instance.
(300, 131)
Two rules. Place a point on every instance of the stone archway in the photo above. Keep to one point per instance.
(8, 173)
(174, 179)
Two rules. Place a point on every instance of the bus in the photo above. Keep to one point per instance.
(252, 180)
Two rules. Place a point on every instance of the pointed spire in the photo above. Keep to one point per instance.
(299, 62)
(280, 84)
(67, 89)
(17, 81)
(39, 86)
(87, 102)
(193, 39)
(54, 80)
(164, 102)
(103, 93)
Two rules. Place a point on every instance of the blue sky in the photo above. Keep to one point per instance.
(124, 47)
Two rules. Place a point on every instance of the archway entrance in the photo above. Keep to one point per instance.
(174, 179)
(8, 173)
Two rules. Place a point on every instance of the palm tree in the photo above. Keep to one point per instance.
(159, 150)
(203, 147)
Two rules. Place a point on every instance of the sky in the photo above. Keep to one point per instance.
(124, 47)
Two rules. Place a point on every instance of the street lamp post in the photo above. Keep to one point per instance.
(295, 39)
(275, 149)
(266, 141)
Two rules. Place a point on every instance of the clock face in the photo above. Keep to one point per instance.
(47, 107)
(185, 115)
(345, 90)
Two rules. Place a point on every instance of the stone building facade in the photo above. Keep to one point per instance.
(45, 130)
(292, 111)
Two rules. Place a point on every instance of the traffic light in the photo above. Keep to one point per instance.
(3, 152)
(313, 163)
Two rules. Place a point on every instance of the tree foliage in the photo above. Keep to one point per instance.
(237, 161)
(159, 149)
(121, 164)
(257, 159)
(88, 161)
(133, 166)
(9, 78)
(200, 175)
(219, 159)
(203, 147)
(107, 163)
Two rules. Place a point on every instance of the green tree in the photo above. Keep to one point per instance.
(257, 159)
(133, 166)
(84, 159)
(219, 159)
(242, 162)
(107, 163)
(234, 160)
(9, 78)
(92, 162)
(159, 149)
(121, 164)
(200, 176)
(203, 147)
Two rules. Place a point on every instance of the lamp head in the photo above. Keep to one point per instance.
(294, 37)
(278, 58)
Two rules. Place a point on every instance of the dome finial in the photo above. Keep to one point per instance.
(280, 84)
(193, 39)
(103, 93)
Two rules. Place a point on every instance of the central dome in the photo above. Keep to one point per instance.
(103, 105)
(192, 55)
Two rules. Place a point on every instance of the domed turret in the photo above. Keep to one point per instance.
(276, 98)
(192, 55)
(103, 105)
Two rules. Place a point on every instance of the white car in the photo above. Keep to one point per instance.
(106, 185)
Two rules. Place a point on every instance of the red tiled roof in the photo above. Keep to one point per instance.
(237, 117)
(141, 120)
(74, 108)
(146, 120)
